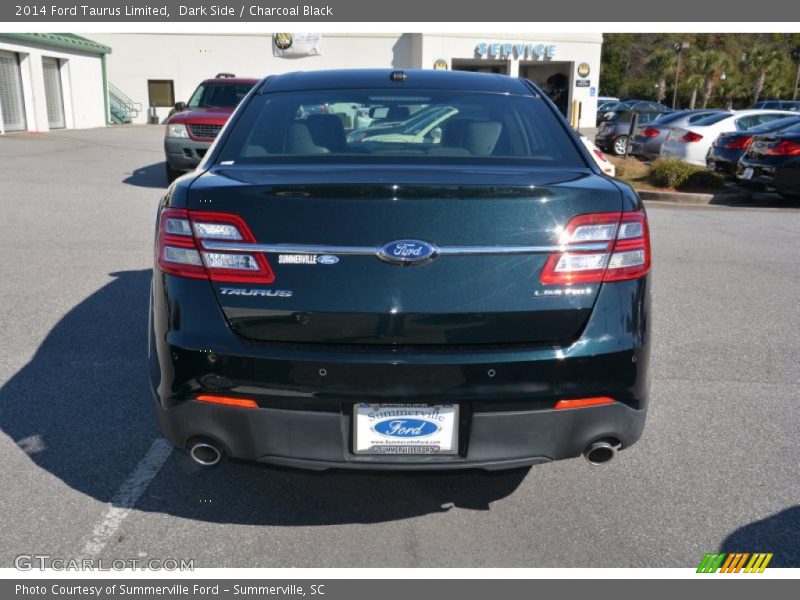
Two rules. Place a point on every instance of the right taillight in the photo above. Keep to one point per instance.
(600, 247)
(181, 234)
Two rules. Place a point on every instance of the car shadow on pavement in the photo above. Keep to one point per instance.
(779, 534)
(151, 176)
(81, 409)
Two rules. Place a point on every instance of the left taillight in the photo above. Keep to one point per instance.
(784, 148)
(620, 250)
(181, 250)
(691, 136)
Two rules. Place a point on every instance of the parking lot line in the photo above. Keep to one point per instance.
(126, 496)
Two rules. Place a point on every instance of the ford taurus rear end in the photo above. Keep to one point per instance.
(476, 297)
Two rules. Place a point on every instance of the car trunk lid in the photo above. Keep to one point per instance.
(488, 231)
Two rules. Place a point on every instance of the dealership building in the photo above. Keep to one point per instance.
(50, 81)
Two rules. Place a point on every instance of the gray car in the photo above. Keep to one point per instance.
(612, 136)
(648, 137)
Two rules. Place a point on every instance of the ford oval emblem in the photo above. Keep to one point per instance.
(407, 252)
(405, 428)
(327, 259)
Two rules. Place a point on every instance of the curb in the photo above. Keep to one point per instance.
(695, 198)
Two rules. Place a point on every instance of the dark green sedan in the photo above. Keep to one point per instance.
(477, 297)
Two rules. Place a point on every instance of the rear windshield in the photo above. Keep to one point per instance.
(777, 125)
(219, 95)
(399, 126)
(710, 120)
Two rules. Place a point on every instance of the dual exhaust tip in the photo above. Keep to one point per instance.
(205, 453)
(600, 453)
(208, 454)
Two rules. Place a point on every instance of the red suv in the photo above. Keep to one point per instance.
(194, 125)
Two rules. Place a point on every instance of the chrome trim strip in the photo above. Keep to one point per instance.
(370, 251)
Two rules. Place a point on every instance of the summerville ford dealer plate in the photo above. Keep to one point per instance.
(405, 428)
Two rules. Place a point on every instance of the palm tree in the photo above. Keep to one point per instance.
(763, 61)
(661, 63)
(728, 89)
(695, 81)
(707, 66)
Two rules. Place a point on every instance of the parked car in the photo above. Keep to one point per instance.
(193, 126)
(648, 137)
(630, 105)
(778, 104)
(729, 147)
(612, 136)
(480, 301)
(772, 161)
(601, 99)
(601, 159)
(691, 144)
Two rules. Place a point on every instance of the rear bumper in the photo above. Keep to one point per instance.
(319, 440)
(646, 149)
(306, 392)
(723, 160)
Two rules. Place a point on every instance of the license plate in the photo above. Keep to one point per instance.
(748, 173)
(405, 428)
(712, 165)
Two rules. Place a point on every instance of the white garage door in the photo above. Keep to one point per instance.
(52, 92)
(12, 104)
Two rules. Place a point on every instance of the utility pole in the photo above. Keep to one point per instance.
(679, 47)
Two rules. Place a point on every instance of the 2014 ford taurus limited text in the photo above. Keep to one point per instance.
(475, 297)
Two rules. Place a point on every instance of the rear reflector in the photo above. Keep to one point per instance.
(583, 402)
(228, 401)
(181, 252)
(625, 255)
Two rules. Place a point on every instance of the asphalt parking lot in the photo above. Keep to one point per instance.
(84, 472)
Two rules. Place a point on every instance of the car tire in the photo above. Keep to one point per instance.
(618, 145)
(172, 174)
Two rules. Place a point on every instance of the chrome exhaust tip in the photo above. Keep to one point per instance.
(600, 452)
(206, 454)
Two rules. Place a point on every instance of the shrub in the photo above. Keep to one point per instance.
(678, 175)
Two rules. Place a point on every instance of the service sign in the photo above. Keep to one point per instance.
(516, 50)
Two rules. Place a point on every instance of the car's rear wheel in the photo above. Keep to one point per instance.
(619, 145)
(172, 174)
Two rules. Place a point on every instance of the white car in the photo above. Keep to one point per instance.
(600, 158)
(691, 144)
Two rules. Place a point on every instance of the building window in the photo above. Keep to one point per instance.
(161, 92)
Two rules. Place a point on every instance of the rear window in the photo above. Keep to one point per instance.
(776, 125)
(710, 120)
(399, 126)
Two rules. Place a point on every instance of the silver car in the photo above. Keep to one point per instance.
(648, 137)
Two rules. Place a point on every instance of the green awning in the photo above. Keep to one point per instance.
(70, 41)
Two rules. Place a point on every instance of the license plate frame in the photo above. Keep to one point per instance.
(395, 429)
